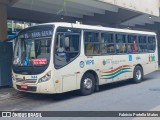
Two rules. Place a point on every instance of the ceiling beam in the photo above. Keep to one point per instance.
(73, 5)
(96, 4)
(4, 2)
(51, 8)
(43, 7)
(140, 20)
(37, 16)
(12, 2)
(8, 2)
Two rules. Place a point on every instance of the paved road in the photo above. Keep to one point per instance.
(121, 96)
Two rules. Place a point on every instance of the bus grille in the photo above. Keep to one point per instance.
(26, 81)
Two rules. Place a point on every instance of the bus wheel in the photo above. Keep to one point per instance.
(138, 74)
(87, 84)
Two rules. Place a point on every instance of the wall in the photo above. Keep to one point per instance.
(144, 6)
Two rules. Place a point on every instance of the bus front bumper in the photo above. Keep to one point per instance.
(45, 87)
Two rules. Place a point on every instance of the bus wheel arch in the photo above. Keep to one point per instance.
(141, 67)
(89, 75)
(138, 73)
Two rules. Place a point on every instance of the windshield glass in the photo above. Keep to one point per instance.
(33, 47)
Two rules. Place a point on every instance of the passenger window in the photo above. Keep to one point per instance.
(67, 46)
(132, 44)
(92, 43)
(142, 40)
(107, 45)
(121, 43)
(151, 44)
(143, 48)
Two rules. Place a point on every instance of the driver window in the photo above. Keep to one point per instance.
(67, 46)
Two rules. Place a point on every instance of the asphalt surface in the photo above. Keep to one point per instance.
(121, 96)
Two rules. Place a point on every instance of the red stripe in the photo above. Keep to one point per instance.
(113, 70)
(126, 66)
(117, 69)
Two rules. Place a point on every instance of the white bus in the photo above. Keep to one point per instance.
(60, 57)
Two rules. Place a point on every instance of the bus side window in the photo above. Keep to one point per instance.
(143, 44)
(107, 43)
(88, 45)
(132, 44)
(110, 48)
(121, 43)
(151, 44)
(92, 42)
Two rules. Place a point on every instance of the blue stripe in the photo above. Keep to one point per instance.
(117, 74)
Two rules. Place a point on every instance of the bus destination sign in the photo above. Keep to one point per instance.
(37, 34)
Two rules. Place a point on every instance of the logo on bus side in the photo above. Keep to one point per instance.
(104, 62)
(130, 57)
(107, 61)
(110, 61)
(151, 58)
(138, 58)
(89, 62)
(81, 64)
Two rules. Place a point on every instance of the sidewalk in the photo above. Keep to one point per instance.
(7, 92)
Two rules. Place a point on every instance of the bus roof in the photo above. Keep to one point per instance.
(91, 27)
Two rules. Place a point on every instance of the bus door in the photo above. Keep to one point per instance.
(66, 57)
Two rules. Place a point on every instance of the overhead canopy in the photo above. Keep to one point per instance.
(85, 11)
(144, 22)
(114, 13)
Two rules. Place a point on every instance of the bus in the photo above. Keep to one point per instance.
(58, 57)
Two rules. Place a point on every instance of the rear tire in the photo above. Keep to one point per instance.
(87, 84)
(137, 74)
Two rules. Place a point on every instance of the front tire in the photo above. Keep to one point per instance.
(87, 84)
(137, 74)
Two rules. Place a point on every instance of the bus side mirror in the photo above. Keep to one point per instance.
(10, 39)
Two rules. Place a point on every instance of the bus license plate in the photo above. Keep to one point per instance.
(24, 86)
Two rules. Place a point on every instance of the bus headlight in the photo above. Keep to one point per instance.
(45, 77)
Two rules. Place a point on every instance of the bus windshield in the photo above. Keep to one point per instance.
(33, 47)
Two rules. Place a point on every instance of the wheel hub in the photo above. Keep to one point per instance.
(138, 75)
(87, 83)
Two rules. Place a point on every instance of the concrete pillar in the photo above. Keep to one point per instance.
(3, 22)
(158, 40)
